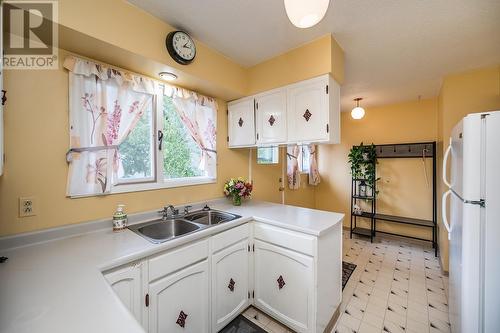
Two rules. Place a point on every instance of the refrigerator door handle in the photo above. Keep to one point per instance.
(445, 219)
(445, 166)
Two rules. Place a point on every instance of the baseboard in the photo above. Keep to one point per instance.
(333, 321)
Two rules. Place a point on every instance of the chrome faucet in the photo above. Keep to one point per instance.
(166, 209)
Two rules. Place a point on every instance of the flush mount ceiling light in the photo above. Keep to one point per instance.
(306, 13)
(358, 112)
(167, 76)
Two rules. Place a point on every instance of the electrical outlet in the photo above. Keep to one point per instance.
(27, 206)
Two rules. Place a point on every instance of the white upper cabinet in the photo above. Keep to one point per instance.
(241, 123)
(309, 110)
(270, 110)
(303, 112)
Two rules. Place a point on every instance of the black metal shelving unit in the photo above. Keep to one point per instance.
(400, 150)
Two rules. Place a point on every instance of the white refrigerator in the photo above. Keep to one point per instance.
(474, 223)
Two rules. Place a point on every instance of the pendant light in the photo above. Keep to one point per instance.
(306, 13)
(358, 112)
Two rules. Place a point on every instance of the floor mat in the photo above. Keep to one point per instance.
(241, 324)
(347, 269)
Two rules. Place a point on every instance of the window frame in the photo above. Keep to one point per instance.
(158, 181)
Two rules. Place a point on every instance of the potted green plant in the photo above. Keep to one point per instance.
(363, 159)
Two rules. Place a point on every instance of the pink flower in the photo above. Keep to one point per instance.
(113, 124)
(133, 107)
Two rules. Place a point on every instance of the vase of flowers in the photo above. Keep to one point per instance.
(237, 189)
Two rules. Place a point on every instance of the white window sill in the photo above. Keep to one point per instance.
(168, 183)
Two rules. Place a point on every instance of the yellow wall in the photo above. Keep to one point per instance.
(266, 179)
(36, 117)
(403, 188)
(36, 140)
(461, 94)
(120, 24)
(315, 58)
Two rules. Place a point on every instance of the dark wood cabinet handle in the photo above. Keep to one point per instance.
(240, 122)
(231, 284)
(4, 96)
(181, 320)
(281, 282)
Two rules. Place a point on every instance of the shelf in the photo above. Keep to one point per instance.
(404, 220)
(362, 231)
(364, 214)
(362, 197)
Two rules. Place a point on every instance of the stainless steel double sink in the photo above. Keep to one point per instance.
(162, 230)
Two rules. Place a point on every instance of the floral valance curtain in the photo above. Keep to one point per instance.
(199, 114)
(105, 104)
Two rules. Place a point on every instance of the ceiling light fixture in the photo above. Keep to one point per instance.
(306, 13)
(167, 76)
(358, 112)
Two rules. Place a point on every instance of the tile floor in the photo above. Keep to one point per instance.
(397, 286)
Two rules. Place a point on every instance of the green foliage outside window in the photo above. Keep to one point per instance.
(181, 155)
(135, 151)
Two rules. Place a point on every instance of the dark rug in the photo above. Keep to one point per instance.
(347, 269)
(241, 324)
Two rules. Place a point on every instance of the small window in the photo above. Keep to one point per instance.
(304, 159)
(268, 155)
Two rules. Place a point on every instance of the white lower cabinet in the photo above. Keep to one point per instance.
(200, 287)
(230, 283)
(128, 283)
(179, 302)
(284, 285)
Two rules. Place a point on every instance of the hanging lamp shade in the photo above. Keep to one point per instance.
(306, 13)
(358, 112)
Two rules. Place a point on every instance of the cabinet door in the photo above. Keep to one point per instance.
(270, 109)
(284, 285)
(179, 302)
(127, 284)
(241, 123)
(229, 283)
(1, 95)
(307, 111)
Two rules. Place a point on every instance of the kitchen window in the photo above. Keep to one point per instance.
(130, 133)
(163, 152)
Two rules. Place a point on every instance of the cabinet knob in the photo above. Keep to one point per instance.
(307, 115)
(181, 320)
(231, 284)
(240, 122)
(281, 282)
(271, 120)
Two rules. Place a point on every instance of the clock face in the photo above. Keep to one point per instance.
(181, 47)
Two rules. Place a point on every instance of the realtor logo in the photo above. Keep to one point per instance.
(30, 37)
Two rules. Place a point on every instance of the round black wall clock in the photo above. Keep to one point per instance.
(181, 47)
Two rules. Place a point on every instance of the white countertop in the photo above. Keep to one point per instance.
(57, 286)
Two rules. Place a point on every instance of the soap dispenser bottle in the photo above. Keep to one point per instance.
(119, 218)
